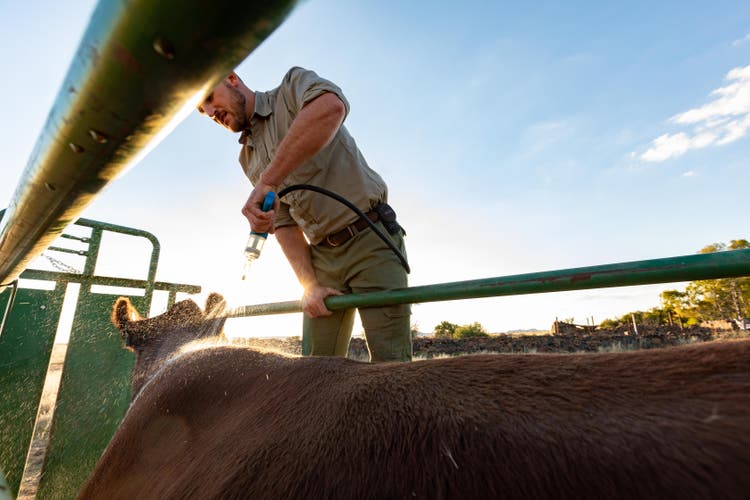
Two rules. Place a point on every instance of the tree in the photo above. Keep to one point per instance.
(677, 307)
(727, 298)
(740, 286)
(702, 300)
(445, 330)
(472, 330)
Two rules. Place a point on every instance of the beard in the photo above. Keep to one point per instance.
(236, 107)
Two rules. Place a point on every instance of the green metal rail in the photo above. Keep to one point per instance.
(727, 264)
(139, 64)
(95, 383)
(87, 277)
(149, 285)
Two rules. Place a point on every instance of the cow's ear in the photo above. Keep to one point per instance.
(215, 305)
(123, 313)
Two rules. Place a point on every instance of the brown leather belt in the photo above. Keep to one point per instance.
(341, 237)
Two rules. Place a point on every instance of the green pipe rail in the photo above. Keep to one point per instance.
(139, 64)
(94, 386)
(727, 264)
(87, 277)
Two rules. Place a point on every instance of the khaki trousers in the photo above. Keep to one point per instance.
(362, 264)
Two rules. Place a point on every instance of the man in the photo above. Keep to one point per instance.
(293, 134)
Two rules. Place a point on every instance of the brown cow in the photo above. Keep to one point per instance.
(233, 422)
(157, 339)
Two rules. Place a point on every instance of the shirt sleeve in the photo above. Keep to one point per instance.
(283, 217)
(302, 86)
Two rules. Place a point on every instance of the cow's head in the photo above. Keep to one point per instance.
(155, 340)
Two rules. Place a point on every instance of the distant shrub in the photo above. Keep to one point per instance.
(610, 324)
(472, 330)
(445, 329)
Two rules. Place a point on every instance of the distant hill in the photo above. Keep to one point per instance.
(528, 331)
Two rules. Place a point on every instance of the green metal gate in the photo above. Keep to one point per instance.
(94, 390)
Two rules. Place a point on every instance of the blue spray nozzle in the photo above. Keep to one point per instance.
(256, 240)
(267, 205)
(268, 201)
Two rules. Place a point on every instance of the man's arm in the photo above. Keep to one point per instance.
(297, 252)
(312, 130)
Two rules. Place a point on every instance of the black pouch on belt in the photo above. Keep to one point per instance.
(387, 216)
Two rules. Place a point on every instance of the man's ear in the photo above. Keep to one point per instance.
(232, 79)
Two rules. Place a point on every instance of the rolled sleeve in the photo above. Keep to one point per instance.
(283, 217)
(304, 86)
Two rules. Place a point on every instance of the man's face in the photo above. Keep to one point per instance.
(226, 106)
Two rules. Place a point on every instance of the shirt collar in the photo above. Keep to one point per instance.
(262, 104)
(262, 108)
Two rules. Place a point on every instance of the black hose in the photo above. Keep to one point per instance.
(341, 199)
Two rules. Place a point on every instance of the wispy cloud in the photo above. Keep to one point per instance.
(721, 121)
(740, 41)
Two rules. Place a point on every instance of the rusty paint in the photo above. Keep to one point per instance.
(126, 59)
(580, 277)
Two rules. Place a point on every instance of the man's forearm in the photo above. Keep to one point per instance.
(297, 251)
(312, 130)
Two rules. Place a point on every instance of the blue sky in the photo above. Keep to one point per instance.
(514, 138)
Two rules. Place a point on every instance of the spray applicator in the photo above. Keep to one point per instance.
(256, 241)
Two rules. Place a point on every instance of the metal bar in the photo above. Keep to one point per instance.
(291, 306)
(728, 264)
(155, 251)
(37, 274)
(93, 255)
(67, 250)
(139, 64)
(77, 238)
(25, 348)
(106, 226)
(9, 305)
(94, 241)
(171, 299)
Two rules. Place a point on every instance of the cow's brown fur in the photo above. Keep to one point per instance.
(232, 422)
(154, 340)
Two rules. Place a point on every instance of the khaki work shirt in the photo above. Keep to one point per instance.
(339, 167)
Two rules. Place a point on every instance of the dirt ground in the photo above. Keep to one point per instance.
(599, 341)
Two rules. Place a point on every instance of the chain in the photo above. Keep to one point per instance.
(61, 266)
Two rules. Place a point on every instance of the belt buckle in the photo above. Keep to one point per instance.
(331, 243)
(334, 244)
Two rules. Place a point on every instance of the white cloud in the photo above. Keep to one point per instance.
(667, 145)
(721, 121)
(689, 173)
(742, 40)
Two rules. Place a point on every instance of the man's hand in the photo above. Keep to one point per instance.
(313, 129)
(260, 221)
(312, 300)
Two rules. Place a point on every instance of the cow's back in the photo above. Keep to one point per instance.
(234, 423)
